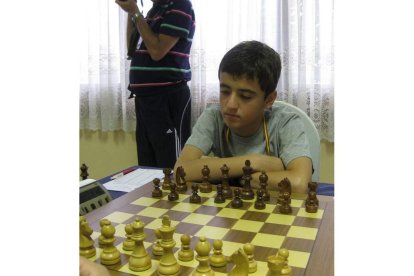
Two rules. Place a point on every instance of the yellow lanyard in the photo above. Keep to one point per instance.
(266, 135)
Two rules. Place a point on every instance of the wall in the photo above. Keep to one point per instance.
(108, 152)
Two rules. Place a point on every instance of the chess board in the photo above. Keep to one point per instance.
(307, 236)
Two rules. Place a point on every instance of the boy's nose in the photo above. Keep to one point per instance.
(232, 102)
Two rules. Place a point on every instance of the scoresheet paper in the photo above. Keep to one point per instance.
(133, 180)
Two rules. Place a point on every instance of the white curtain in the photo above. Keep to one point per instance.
(301, 31)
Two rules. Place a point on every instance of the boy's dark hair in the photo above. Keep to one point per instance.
(253, 59)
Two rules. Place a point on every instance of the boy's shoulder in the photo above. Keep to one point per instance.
(281, 113)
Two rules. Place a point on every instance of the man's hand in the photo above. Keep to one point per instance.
(129, 6)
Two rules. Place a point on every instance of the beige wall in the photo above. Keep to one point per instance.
(108, 152)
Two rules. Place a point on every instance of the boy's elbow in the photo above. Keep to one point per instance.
(300, 184)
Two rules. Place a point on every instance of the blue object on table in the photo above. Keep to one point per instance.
(325, 189)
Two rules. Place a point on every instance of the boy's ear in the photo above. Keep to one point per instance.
(270, 99)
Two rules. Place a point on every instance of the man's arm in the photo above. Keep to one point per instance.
(158, 45)
(298, 171)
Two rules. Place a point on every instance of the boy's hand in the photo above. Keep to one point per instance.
(263, 162)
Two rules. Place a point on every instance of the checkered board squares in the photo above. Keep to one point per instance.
(268, 230)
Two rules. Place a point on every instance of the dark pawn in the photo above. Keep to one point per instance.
(195, 198)
(237, 202)
(220, 197)
(259, 204)
(173, 194)
(263, 186)
(157, 193)
(84, 172)
(284, 207)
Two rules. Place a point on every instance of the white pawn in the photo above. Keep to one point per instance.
(218, 259)
(128, 244)
(157, 249)
(110, 255)
(249, 249)
(203, 251)
(185, 254)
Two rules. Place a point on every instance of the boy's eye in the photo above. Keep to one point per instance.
(245, 96)
(224, 92)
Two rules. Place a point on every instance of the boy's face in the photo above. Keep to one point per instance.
(242, 103)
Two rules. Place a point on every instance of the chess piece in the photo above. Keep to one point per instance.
(284, 186)
(195, 198)
(84, 172)
(219, 197)
(157, 249)
(185, 254)
(178, 174)
(139, 259)
(167, 179)
(312, 186)
(168, 264)
(173, 196)
(284, 206)
(157, 193)
(237, 202)
(203, 251)
(128, 244)
(241, 263)
(263, 186)
(278, 264)
(86, 247)
(311, 203)
(227, 192)
(247, 191)
(259, 204)
(180, 180)
(205, 186)
(249, 249)
(102, 222)
(218, 259)
(110, 255)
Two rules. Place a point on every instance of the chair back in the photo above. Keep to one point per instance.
(311, 133)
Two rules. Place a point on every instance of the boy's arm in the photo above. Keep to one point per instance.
(191, 159)
(298, 171)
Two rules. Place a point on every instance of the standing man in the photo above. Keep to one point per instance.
(159, 46)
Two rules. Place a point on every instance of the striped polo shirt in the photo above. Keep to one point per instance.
(174, 18)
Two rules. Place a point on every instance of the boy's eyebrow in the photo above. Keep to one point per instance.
(223, 85)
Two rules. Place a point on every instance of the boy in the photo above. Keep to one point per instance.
(245, 127)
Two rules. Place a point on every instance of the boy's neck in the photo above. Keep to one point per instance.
(248, 133)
